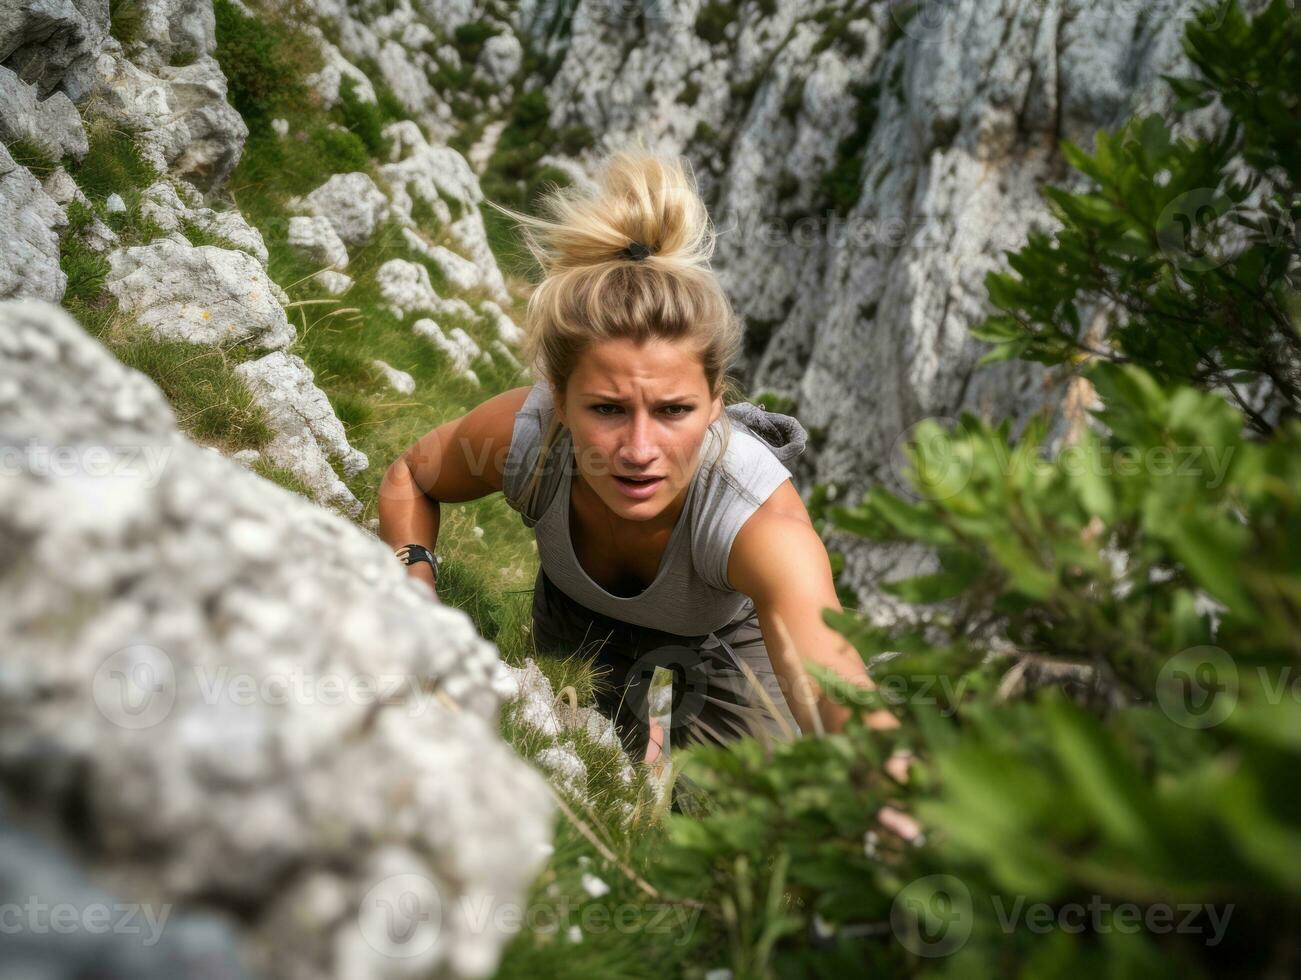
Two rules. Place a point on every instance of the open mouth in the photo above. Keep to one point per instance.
(632, 482)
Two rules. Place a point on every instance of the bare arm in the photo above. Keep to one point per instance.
(459, 460)
(780, 562)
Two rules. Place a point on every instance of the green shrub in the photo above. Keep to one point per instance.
(342, 151)
(712, 21)
(126, 18)
(1095, 676)
(265, 61)
(366, 119)
(113, 164)
(27, 154)
(86, 269)
(841, 186)
(470, 37)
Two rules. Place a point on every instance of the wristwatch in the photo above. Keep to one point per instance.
(410, 553)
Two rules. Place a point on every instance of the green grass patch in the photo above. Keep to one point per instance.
(366, 119)
(125, 20)
(712, 21)
(28, 154)
(265, 61)
(113, 163)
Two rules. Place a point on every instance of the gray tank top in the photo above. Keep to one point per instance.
(690, 596)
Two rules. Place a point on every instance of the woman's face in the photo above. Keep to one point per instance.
(638, 411)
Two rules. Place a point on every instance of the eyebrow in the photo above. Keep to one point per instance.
(614, 398)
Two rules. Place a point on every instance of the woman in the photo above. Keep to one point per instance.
(668, 530)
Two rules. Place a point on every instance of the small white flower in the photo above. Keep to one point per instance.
(584, 860)
(575, 934)
(594, 885)
(477, 531)
(722, 973)
(869, 844)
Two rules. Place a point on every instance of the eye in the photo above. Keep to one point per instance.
(668, 409)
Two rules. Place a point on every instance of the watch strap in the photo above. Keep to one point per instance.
(411, 553)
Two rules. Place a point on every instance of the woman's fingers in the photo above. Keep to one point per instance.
(656, 741)
(898, 822)
(898, 763)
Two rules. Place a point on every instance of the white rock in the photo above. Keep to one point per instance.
(456, 344)
(500, 58)
(506, 327)
(335, 283)
(461, 273)
(594, 886)
(305, 425)
(162, 203)
(52, 123)
(565, 767)
(29, 260)
(315, 237)
(249, 734)
(62, 189)
(507, 355)
(204, 295)
(405, 286)
(115, 204)
(181, 118)
(350, 202)
(538, 709)
(481, 152)
(328, 80)
(425, 170)
(400, 381)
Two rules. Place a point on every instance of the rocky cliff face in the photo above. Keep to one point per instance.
(867, 165)
(208, 725)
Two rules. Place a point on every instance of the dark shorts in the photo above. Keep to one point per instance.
(713, 699)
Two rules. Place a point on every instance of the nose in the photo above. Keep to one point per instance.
(638, 449)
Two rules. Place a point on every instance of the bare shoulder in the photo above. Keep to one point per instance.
(462, 459)
(778, 549)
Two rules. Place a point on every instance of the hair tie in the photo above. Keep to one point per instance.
(637, 251)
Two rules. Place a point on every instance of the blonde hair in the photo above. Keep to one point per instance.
(591, 292)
